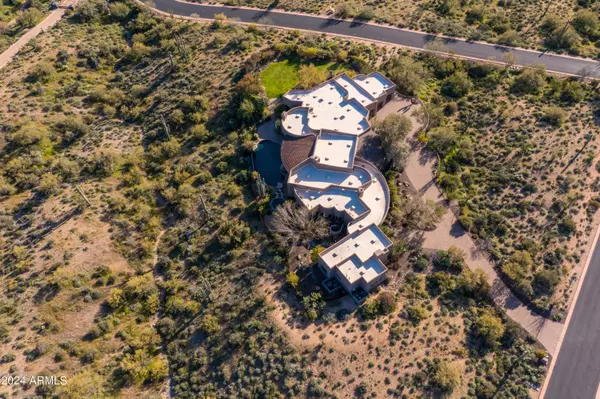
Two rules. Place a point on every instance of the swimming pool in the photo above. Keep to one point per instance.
(267, 161)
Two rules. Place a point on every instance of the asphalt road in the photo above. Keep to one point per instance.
(576, 374)
(483, 51)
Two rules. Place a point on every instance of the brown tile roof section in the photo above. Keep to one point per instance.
(295, 150)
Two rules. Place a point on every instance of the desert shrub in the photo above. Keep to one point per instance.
(555, 116)
(476, 14)
(366, 13)
(41, 73)
(544, 282)
(452, 260)
(531, 80)
(292, 279)
(344, 10)
(457, 85)
(489, 327)
(119, 11)
(442, 140)
(29, 17)
(445, 377)
(313, 306)
(415, 313)
(386, 303)
(587, 24)
(315, 252)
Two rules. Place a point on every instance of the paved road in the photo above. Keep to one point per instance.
(553, 62)
(14, 48)
(576, 374)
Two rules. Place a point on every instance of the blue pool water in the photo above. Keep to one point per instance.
(267, 160)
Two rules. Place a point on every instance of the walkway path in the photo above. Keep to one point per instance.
(450, 232)
(51, 20)
(383, 34)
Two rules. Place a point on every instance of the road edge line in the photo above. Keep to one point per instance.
(350, 37)
(391, 26)
(570, 313)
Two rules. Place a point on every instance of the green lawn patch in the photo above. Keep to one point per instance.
(282, 76)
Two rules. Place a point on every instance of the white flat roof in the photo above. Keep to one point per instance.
(355, 90)
(331, 110)
(354, 256)
(375, 197)
(334, 198)
(296, 122)
(310, 176)
(335, 150)
(353, 270)
(375, 83)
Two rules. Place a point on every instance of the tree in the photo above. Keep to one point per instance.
(91, 9)
(475, 283)
(313, 305)
(295, 225)
(445, 377)
(210, 324)
(29, 18)
(567, 227)
(476, 14)
(518, 267)
(531, 80)
(587, 24)
(292, 279)
(510, 38)
(386, 303)
(315, 252)
(119, 11)
(249, 85)
(28, 135)
(366, 13)
(452, 260)
(42, 73)
(309, 76)
(49, 183)
(408, 74)
(442, 140)
(489, 327)
(572, 92)
(544, 282)
(558, 33)
(421, 215)
(393, 130)
(457, 85)
(344, 10)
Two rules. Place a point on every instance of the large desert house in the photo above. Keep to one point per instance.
(324, 174)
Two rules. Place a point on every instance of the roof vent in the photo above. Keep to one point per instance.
(372, 241)
(334, 255)
(356, 245)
